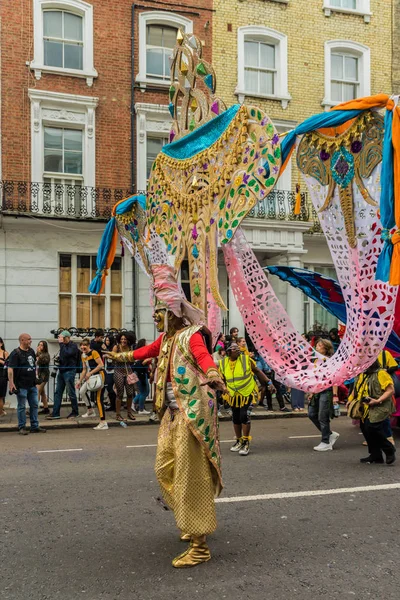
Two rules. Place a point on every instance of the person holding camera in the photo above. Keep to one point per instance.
(69, 361)
(22, 382)
(91, 383)
(373, 393)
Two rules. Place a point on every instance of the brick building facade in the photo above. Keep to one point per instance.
(84, 91)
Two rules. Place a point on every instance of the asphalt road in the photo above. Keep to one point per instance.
(84, 524)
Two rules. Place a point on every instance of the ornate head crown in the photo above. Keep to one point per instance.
(191, 105)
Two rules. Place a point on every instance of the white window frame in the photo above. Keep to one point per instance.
(279, 40)
(154, 120)
(54, 109)
(155, 17)
(363, 53)
(362, 9)
(77, 7)
(74, 291)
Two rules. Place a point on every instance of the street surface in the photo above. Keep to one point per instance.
(79, 519)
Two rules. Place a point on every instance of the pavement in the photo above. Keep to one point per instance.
(10, 421)
(80, 520)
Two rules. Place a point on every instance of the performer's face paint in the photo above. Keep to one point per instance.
(159, 319)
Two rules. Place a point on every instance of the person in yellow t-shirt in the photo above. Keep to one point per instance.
(387, 361)
(375, 390)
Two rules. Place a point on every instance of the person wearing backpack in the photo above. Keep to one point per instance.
(371, 401)
(22, 382)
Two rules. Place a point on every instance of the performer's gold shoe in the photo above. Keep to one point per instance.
(185, 537)
(198, 552)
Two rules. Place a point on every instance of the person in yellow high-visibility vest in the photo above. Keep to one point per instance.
(238, 371)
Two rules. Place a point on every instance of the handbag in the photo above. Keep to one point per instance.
(354, 409)
(131, 377)
(94, 383)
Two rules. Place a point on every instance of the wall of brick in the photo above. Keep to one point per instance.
(307, 29)
(396, 47)
(112, 60)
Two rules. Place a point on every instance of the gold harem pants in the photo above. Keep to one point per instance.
(184, 474)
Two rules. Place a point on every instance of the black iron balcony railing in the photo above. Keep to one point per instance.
(74, 201)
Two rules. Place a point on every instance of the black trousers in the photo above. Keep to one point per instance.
(377, 441)
(279, 394)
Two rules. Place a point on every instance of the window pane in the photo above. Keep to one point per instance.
(155, 61)
(337, 92)
(83, 274)
(98, 311)
(350, 68)
(53, 54)
(73, 162)
(167, 68)
(169, 37)
(185, 271)
(251, 54)
(267, 56)
(349, 92)
(73, 139)
(53, 160)
(116, 276)
(251, 81)
(335, 2)
(154, 145)
(337, 66)
(53, 138)
(116, 313)
(65, 273)
(64, 308)
(154, 35)
(266, 82)
(52, 23)
(73, 56)
(349, 4)
(72, 27)
(83, 311)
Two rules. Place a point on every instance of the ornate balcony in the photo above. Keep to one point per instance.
(74, 201)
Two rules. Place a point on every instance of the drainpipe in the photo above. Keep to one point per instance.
(134, 265)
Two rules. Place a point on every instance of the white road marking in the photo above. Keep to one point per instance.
(143, 446)
(64, 450)
(155, 445)
(299, 437)
(281, 495)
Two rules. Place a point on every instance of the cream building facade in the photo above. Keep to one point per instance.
(296, 58)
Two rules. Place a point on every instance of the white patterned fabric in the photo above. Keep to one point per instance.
(369, 303)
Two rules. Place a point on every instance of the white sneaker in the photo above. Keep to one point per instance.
(144, 412)
(333, 438)
(101, 425)
(323, 447)
(90, 413)
(220, 415)
(237, 445)
(153, 417)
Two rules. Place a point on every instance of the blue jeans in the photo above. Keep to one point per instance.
(31, 395)
(144, 389)
(320, 413)
(65, 378)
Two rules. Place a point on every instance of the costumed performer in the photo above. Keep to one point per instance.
(188, 454)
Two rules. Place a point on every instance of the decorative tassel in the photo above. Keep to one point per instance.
(122, 249)
(394, 278)
(297, 205)
(385, 257)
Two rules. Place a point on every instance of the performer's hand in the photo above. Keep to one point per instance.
(217, 384)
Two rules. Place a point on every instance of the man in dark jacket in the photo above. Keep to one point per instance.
(69, 363)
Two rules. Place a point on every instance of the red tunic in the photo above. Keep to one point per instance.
(196, 345)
